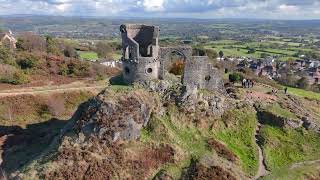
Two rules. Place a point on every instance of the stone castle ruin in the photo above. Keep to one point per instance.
(144, 60)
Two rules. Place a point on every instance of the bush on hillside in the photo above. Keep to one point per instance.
(234, 77)
(12, 75)
(74, 68)
(52, 46)
(28, 62)
(103, 49)
(31, 42)
(69, 51)
(6, 56)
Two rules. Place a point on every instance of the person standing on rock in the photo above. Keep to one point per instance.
(285, 90)
(244, 81)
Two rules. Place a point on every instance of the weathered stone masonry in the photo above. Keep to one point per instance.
(144, 60)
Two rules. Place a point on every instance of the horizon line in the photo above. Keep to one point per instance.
(155, 17)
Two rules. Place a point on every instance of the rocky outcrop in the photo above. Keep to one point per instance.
(189, 98)
(269, 118)
(111, 118)
(310, 124)
(211, 103)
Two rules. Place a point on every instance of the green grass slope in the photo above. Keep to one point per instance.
(240, 137)
(284, 147)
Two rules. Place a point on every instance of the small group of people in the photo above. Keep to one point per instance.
(248, 83)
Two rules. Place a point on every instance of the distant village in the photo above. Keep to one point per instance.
(273, 69)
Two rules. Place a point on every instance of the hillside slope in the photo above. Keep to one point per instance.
(178, 133)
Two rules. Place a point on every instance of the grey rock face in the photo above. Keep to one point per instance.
(309, 124)
(189, 95)
(191, 99)
(110, 121)
(293, 123)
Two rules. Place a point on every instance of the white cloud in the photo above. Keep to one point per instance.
(153, 5)
(297, 9)
(288, 8)
(63, 7)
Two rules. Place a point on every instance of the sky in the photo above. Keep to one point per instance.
(206, 9)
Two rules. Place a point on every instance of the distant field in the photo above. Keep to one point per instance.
(88, 55)
(284, 49)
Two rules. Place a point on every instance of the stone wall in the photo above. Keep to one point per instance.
(195, 70)
(145, 70)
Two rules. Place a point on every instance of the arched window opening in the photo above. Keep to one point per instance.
(175, 63)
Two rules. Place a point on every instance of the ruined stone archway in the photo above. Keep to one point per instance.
(164, 55)
(174, 63)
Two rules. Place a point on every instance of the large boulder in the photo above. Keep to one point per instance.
(111, 117)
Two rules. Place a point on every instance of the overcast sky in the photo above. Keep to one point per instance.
(207, 9)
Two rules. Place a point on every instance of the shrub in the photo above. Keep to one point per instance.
(69, 51)
(63, 69)
(12, 75)
(74, 68)
(6, 56)
(177, 67)
(20, 78)
(251, 51)
(16, 78)
(212, 54)
(29, 62)
(103, 49)
(52, 46)
(234, 77)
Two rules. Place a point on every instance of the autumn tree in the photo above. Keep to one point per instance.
(31, 42)
(103, 49)
(177, 67)
(52, 46)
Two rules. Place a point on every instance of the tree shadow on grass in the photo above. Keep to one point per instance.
(20, 146)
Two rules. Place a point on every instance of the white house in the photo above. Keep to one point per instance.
(7, 40)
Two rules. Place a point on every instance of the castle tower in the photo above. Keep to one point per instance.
(140, 51)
